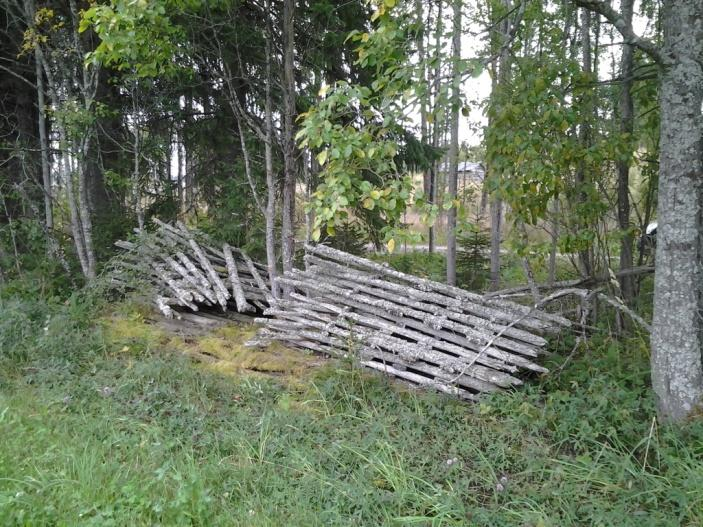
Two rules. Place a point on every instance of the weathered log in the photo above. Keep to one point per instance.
(237, 291)
(402, 316)
(191, 279)
(220, 290)
(503, 311)
(179, 266)
(419, 331)
(414, 329)
(433, 304)
(512, 361)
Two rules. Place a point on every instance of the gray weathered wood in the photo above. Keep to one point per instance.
(237, 291)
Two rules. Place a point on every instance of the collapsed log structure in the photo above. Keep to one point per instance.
(424, 332)
(191, 273)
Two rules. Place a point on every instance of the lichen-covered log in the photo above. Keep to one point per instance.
(186, 271)
(423, 332)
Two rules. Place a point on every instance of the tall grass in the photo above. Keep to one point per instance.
(94, 434)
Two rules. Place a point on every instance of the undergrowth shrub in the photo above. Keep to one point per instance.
(426, 265)
(472, 263)
(39, 331)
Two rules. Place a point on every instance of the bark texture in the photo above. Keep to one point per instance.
(626, 127)
(677, 337)
(289, 177)
(453, 158)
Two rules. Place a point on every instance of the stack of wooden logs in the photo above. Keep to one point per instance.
(190, 273)
(424, 332)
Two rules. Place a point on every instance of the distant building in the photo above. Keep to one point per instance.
(469, 173)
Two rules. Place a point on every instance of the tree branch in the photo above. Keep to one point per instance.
(615, 18)
(18, 76)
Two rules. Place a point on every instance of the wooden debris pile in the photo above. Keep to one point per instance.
(189, 273)
(424, 332)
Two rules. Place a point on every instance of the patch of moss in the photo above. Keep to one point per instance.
(222, 350)
(227, 344)
(132, 332)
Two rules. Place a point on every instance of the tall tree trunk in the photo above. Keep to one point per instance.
(496, 209)
(552, 266)
(677, 328)
(432, 183)
(84, 205)
(189, 157)
(500, 78)
(623, 165)
(52, 246)
(585, 260)
(270, 215)
(76, 226)
(289, 172)
(176, 152)
(453, 159)
(423, 79)
(44, 144)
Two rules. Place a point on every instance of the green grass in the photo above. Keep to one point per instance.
(96, 435)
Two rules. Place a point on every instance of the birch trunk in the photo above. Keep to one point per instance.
(500, 77)
(44, 144)
(453, 158)
(270, 214)
(677, 336)
(432, 191)
(623, 166)
(585, 261)
(288, 220)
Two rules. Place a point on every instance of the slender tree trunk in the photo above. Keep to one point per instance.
(496, 209)
(552, 267)
(289, 176)
(423, 79)
(623, 165)
(453, 159)
(76, 227)
(500, 78)
(83, 205)
(432, 193)
(44, 144)
(136, 197)
(677, 327)
(179, 168)
(189, 158)
(585, 260)
(52, 245)
(270, 215)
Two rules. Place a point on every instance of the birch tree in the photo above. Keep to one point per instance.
(453, 158)
(289, 149)
(677, 327)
